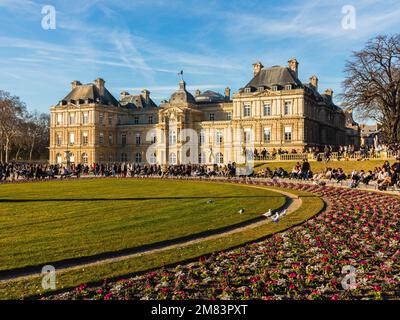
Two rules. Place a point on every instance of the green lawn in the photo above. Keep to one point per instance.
(318, 166)
(21, 288)
(46, 222)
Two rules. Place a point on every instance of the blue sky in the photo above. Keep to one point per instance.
(144, 43)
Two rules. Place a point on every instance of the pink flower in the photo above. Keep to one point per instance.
(108, 296)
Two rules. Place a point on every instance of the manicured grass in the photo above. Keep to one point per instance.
(311, 205)
(318, 166)
(47, 222)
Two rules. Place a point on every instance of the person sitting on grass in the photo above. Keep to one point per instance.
(295, 174)
(355, 179)
(340, 175)
(366, 177)
(384, 179)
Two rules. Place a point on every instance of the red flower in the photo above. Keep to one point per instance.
(377, 288)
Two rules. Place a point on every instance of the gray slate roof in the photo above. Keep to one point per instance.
(272, 76)
(182, 95)
(211, 96)
(137, 101)
(89, 92)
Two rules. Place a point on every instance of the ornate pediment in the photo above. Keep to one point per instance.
(172, 113)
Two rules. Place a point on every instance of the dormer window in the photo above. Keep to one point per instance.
(274, 88)
(288, 87)
(260, 89)
(247, 90)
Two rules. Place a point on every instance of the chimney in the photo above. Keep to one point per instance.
(146, 95)
(227, 93)
(99, 82)
(75, 83)
(294, 66)
(257, 68)
(123, 94)
(197, 93)
(329, 93)
(314, 82)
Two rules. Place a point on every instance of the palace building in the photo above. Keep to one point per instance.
(273, 110)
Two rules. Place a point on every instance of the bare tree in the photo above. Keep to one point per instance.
(36, 131)
(12, 111)
(372, 84)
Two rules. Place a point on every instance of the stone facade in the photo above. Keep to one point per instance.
(274, 110)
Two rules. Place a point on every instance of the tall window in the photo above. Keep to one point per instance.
(101, 118)
(267, 135)
(85, 138)
(153, 138)
(201, 137)
(138, 138)
(150, 119)
(59, 119)
(101, 138)
(110, 139)
(212, 116)
(71, 138)
(59, 158)
(136, 120)
(59, 138)
(172, 158)
(172, 137)
(138, 157)
(220, 158)
(202, 158)
(123, 139)
(247, 135)
(288, 134)
(85, 158)
(153, 158)
(247, 110)
(85, 118)
(286, 107)
(267, 109)
(219, 137)
(124, 157)
(229, 116)
(72, 118)
(110, 119)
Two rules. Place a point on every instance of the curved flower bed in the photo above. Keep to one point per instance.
(358, 229)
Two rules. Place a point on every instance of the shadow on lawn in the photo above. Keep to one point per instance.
(130, 199)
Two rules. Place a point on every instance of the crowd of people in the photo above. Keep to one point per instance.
(325, 153)
(386, 176)
(25, 171)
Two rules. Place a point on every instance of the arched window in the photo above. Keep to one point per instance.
(71, 158)
(59, 158)
(85, 158)
(138, 157)
(124, 157)
(220, 158)
(172, 158)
